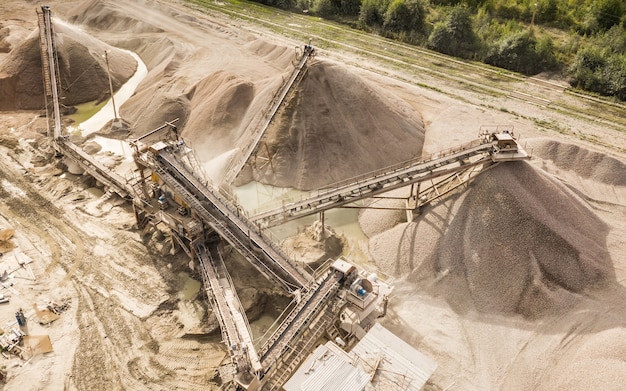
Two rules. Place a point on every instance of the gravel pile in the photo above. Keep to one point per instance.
(586, 163)
(81, 63)
(517, 241)
(337, 126)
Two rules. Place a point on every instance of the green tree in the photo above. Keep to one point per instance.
(460, 24)
(601, 70)
(325, 8)
(440, 39)
(404, 16)
(519, 53)
(608, 13)
(455, 36)
(350, 7)
(372, 13)
(397, 17)
(284, 4)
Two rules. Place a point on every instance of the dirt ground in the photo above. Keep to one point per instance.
(516, 283)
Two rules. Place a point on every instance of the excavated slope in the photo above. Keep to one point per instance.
(337, 126)
(81, 64)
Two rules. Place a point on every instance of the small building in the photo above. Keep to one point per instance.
(393, 364)
(328, 368)
(379, 361)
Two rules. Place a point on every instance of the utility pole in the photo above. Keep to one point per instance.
(106, 58)
(532, 21)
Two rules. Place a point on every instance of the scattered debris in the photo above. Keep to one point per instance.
(58, 308)
(37, 344)
(6, 234)
(10, 342)
(9, 286)
(45, 316)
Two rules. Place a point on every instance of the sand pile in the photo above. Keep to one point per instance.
(520, 242)
(338, 126)
(82, 68)
(10, 36)
(218, 104)
(102, 16)
(582, 161)
(271, 53)
(214, 101)
(595, 363)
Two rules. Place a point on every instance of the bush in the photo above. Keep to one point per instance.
(284, 4)
(325, 8)
(600, 70)
(455, 36)
(608, 13)
(350, 7)
(547, 11)
(372, 13)
(404, 16)
(440, 39)
(522, 53)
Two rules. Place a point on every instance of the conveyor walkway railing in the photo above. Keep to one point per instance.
(311, 303)
(354, 189)
(50, 66)
(241, 159)
(93, 167)
(221, 294)
(231, 225)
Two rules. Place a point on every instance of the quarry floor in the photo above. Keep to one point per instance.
(130, 324)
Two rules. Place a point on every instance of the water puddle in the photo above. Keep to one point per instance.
(101, 114)
(189, 287)
(84, 111)
(255, 196)
(260, 327)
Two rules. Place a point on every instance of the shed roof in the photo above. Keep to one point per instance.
(393, 363)
(327, 368)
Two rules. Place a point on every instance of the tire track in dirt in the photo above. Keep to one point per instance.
(38, 215)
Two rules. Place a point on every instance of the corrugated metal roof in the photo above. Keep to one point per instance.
(326, 369)
(398, 365)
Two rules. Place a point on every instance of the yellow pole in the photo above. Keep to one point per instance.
(532, 21)
(106, 57)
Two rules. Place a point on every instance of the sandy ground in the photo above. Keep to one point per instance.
(516, 283)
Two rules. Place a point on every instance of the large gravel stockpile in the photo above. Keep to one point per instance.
(520, 242)
(584, 162)
(82, 68)
(337, 126)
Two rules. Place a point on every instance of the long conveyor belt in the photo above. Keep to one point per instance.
(235, 229)
(232, 321)
(269, 114)
(96, 169)
(360, 188)
(311, 303)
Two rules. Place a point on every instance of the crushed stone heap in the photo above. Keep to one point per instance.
(337, 126)
(82, 67)
(523, 242)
